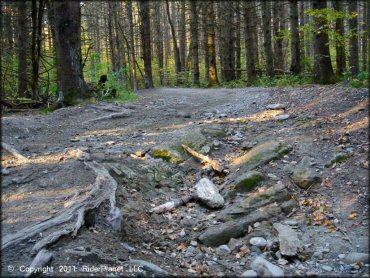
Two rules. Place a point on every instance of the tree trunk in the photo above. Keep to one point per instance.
(112, 48)
(277, 28)
(22, 48)
(182, 23)
(194, 41)
(65, 19)
(266, 24)
(323, 67)
(365, 38)
(237, 41)
(339, 45)
(159, 40)
(353, 41)
(146, 42)
(295, 66)
(213, 78)
(205, 40)
(132, 45)
(174, 39)
(227, 42)
(250, 35)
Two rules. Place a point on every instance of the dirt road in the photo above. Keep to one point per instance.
(128, 140)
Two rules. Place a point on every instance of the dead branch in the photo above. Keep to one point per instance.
(80, 221)
(204, 159)
(148, 266)
(173, 204)
(13, 152)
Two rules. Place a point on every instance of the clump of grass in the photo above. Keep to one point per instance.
(48, 110)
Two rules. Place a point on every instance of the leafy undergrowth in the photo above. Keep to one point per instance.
(122, 96)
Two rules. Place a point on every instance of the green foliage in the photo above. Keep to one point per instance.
(47, 110)
(361, 81)
(234, 84)
(283, 80)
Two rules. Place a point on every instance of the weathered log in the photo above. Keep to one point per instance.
(216, 166)
(42, 259)
(123, 114)
(48, 240)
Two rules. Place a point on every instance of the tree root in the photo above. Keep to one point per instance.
(173, 204)
(104, 188)
(13, 152)
(42, 259)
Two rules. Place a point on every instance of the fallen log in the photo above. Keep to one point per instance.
(13, 152)
(173, 204)
(216, 166)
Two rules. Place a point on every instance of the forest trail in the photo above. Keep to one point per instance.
(322, 130)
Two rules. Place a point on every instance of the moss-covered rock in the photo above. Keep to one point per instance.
(167, 154)
(260, 155)
(337, 158)
(248, 181)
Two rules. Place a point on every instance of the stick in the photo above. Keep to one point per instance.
(173, 204)
(204, 159)
(14, 152)
(123, 114)
(150, 267)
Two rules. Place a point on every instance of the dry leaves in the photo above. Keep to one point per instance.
(352, 215)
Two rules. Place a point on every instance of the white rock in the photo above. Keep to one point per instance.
(265, 268)
(224, 249)
(327, 268)
(355, 257)
(258, 241)
(249, 273)
(282, 117)
(209, 194)
(276, 106)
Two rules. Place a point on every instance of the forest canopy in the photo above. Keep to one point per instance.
(59, 51)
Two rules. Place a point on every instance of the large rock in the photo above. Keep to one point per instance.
(260, 155)
(355, 257)
(168, 154)
(249, 273)
(337, 158)
(248, 181)
(290, 245)
(304, 175)
(266, 269)
(208, 194)
(221, 234)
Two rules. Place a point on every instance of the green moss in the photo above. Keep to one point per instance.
(167, 155)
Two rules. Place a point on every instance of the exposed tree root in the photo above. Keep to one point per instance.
(13, 152)
(123, 114)
(42, 259)
(104, 188)
(173, 204)
(216, 166)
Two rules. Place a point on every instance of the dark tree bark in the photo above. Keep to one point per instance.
(213, 78)
(194, 41)
(65, 19)
(323, 68)
(22, 48)
(182, 35)
(227, 42)
(267, 46)
(295, 66)
(339, 45)
(353, 41)
(278, 41)
(237, 41)
(250, 34)
(112, 48)
(174, 39)
(205, 40)
(145, 41)
(159, 40)
(365, 38)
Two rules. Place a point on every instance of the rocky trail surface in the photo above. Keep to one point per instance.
(186, 182)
